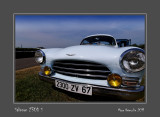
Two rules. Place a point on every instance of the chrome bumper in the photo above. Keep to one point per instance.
(123, 93)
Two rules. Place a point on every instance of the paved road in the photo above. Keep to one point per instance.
(25, 63)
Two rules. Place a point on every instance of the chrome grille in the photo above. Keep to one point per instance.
(82, 69)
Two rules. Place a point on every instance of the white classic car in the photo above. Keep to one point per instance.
(100, 65)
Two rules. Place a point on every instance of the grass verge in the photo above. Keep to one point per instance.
(30, 89)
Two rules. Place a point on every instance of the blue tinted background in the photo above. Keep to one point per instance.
(66, 30)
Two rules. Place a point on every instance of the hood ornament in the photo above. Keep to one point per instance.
(70, 54)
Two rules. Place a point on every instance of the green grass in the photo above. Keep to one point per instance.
(29, 88)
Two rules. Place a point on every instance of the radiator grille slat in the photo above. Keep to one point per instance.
(82, 69)
(76, 64)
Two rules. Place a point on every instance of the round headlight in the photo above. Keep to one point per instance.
(114, 80)
(47, 70)
(39, 56)
(133, 60)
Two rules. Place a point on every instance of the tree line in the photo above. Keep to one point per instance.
(140, 46)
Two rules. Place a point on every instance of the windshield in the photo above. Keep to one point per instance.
(123, 42)
(98, 40)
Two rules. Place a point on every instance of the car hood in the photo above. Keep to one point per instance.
(101, 54)
(87, 51)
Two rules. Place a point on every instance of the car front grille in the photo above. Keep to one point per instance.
(81, 69)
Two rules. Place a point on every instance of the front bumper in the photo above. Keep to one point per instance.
(123, 93)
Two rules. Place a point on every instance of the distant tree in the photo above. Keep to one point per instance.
(26, 49)
(140, 46)
(135, 45)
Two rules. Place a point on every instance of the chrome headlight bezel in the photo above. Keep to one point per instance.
(40, 57)
(132, 51)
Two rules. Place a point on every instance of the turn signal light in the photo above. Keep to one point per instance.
(114, 80)
(47, 70)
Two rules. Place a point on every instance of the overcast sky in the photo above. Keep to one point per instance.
(49, 31)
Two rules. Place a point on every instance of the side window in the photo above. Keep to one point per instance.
(104, 43)
(123, 43)
(85, 42)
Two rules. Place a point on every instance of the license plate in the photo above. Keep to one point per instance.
(72, 87)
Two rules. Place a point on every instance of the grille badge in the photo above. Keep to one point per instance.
(70, 54)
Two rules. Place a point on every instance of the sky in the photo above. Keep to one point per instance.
(59, 31)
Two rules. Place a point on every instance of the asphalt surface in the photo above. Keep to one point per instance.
(25, 63)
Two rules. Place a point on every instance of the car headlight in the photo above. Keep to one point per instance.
(133, 60)
(39, 56)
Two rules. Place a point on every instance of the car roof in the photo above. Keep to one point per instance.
(99, 35)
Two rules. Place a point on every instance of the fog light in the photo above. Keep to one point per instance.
(114, 80)
(47, 70)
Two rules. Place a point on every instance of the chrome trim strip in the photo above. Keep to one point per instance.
(85, 70)
(130, 78)
(78, 74)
